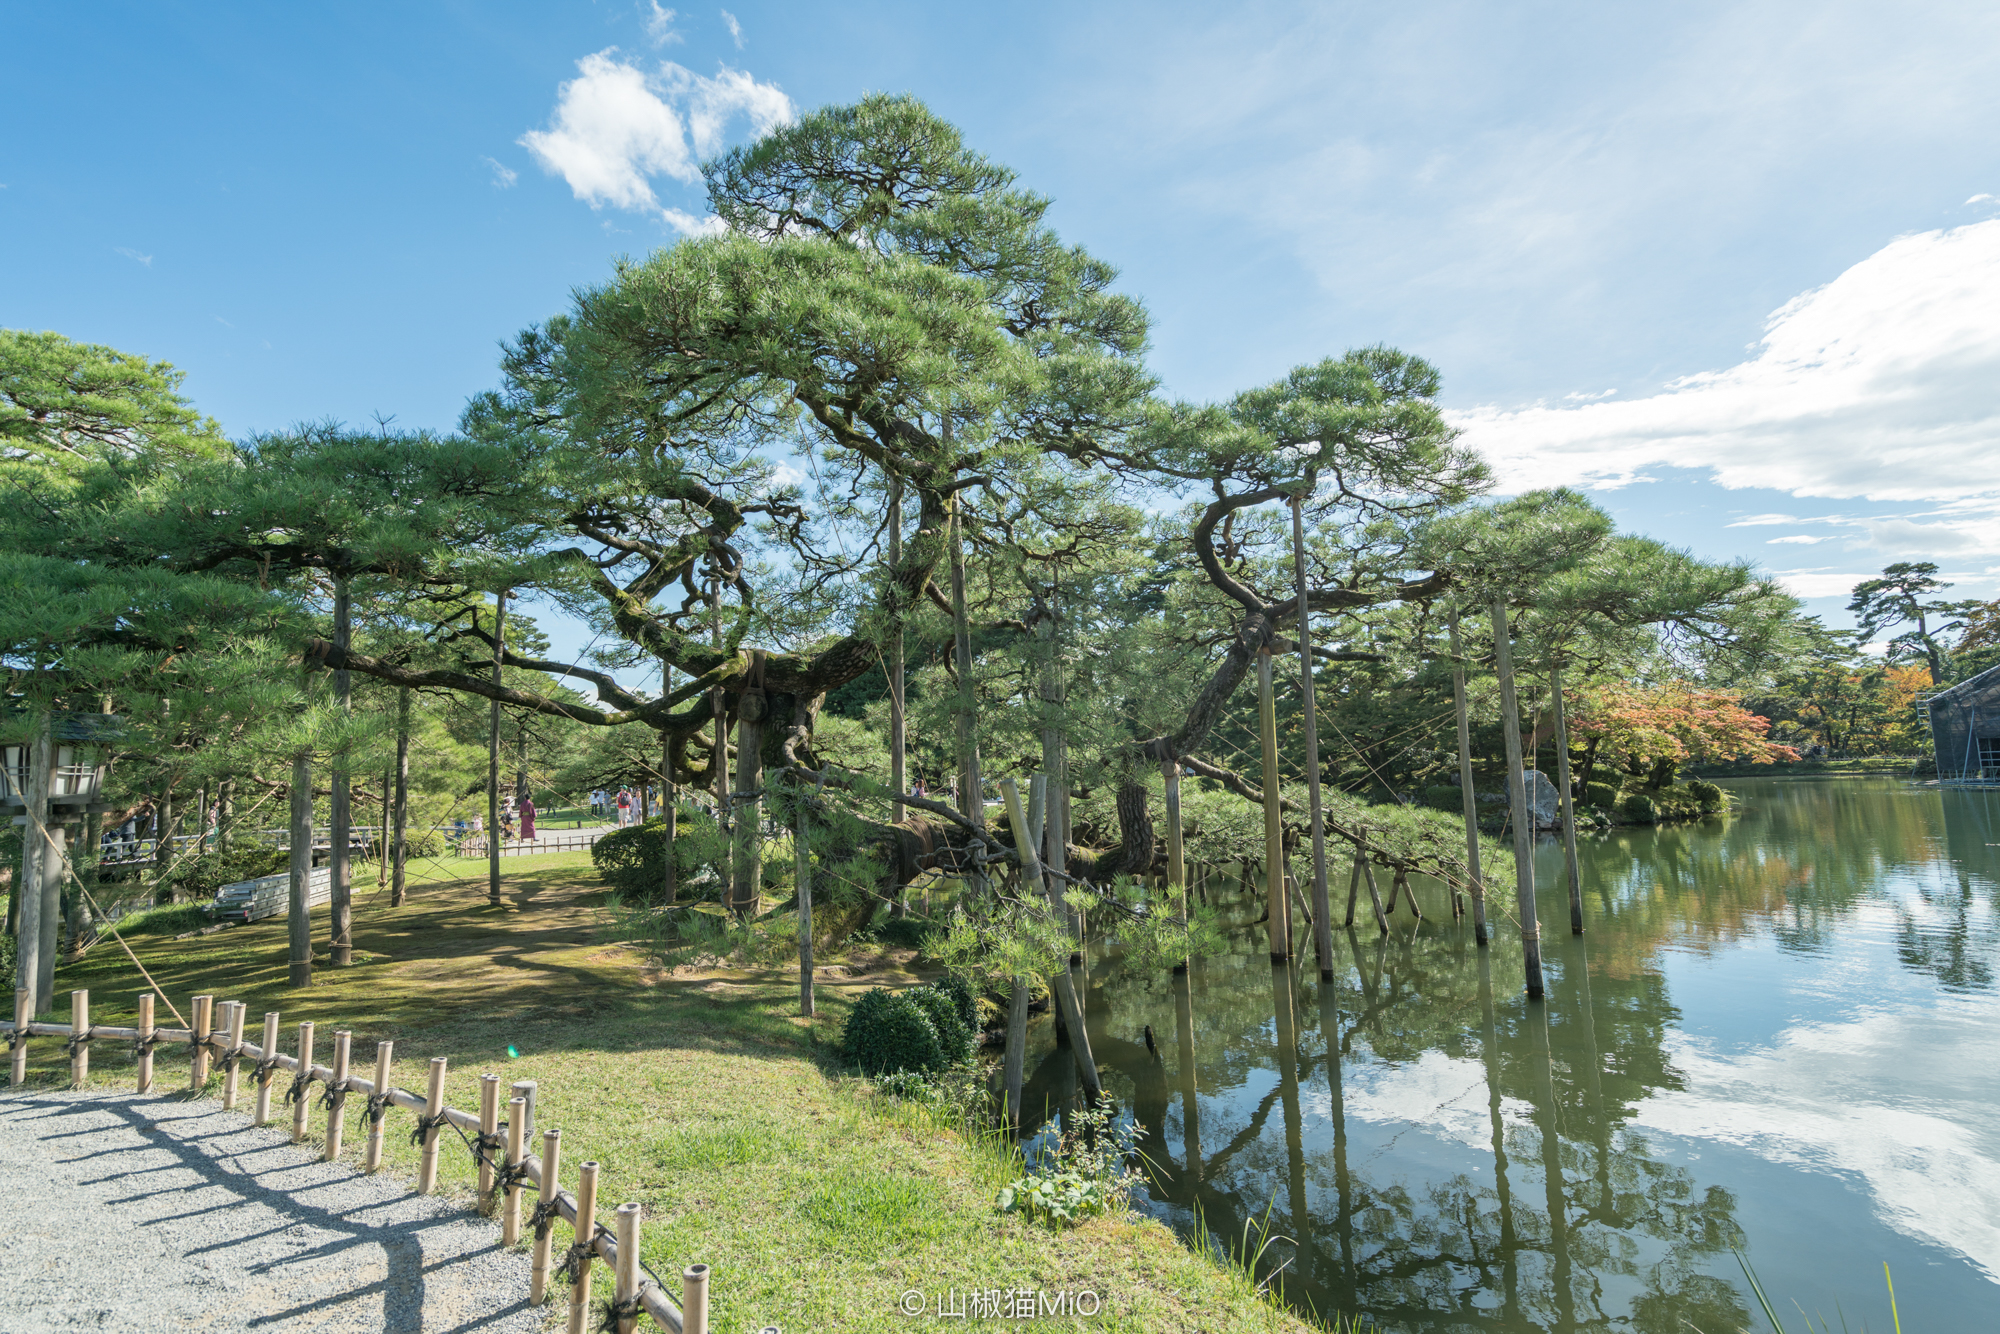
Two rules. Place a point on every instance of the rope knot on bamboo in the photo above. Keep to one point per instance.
(265, 1068)
(378, 1106)
(629, 1309)
(233, 1058)
(78, 1041)
(334, 1096)
(143, 1047)
(511, 1177)
(301, 1082)
(545, 1215)
(484, 1144)
(427, 1126)
(16, 1039)
(571, 1267)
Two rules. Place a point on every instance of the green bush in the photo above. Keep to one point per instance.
(906, 932)
(955, 1035)
(632, 860)
(199, 877)
(1442, 797)
(1604, 796)
(960, 991)
(1707, 794)
(7, 956)
(887, 1031)
(1637, 809)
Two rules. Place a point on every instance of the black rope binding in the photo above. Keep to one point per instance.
(511, 1177)
(571, 1267)
(378, 1107)
(301, 1083)
(426, 1125)
(265, 1068)
(78, 1041)
(334, 1096)
(545, 1216)
(144, 1046)
(16, 1039)
(629, 1309)
(233, 1058)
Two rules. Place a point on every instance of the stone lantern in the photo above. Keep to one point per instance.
(47, 784)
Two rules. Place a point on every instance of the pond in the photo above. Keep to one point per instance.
(1780, 1034)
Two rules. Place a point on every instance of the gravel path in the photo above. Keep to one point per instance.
(122, 1212)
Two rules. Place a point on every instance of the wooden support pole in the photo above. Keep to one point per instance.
(298, 913)
(400, 832)
(1522, 819)
(340, 799)
(1274, 827)
(232, 1057)
(489, 1126)
(899, 778)
(1476, 881)
(1375, 896)
(203, 1030)
(427, 1161)
(510, 1200)
(269, 1046)
(1061, 982)
(24, 1013)
(145, 1084)
(493, 758)
(1353, 887)
(336, 1118)
(1568, 804)
(304, 1104)
(371, 1154)
(538, 1275)
(79, 1027)
(585, 1230)
(1177, 871)
(694, 1300)
(1321, 915)
(802, 849)
(626, 1276)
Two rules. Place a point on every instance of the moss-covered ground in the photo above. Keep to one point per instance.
(704, 1096)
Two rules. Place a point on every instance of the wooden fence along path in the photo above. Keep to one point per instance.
(500, 1147)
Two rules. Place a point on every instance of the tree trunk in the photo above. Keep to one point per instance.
(298, 922)
(898, 773)
(670, 888)
(1177, 878)
(1135, 829)
(28, 889)
(1016, 1060)
(1061, 983)
(225, 815)
(1521, 818)
(82, 926)
(164, 819)
(802, 850)
(1277, 909)
(493, 758)
(401, 833)
(1468, 798)
(341, 814)
(1568, 803)
(720, 775)
(1322, 917)
(750, 709)
(1055, 755)
(971, 800)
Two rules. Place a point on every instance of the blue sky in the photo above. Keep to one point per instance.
(1734, 267)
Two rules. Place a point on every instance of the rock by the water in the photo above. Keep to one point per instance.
(1543, 799)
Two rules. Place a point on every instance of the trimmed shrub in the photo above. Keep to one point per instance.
(632, 860)
(954, 1035)
(887, 1031)
(1708, 794)
(960, 991)
(199, 877)
(1604, 796)
(1442, 797)
(1637, 809)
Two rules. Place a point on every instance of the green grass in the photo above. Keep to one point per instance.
(704, 1096)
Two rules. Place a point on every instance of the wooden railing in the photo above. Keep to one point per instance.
(216, 1035)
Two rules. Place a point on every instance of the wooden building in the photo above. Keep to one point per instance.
(1965, 728)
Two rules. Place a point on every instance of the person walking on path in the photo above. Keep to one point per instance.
(528, 817)
(624, 807)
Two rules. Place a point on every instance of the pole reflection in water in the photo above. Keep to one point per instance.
(1764, 1005)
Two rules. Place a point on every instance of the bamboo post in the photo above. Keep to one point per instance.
(269, 1046)
(1568, 804)
(427, 1162)
(1468, 799)
(1322, 917)
(538, 1278)
(378, 1110)
(304, 1104)
(585, 1232)
(694, 1300)
(1274, 828)
(489, 1126)
(24, 1013)
(146, 1043)
(524, 1089)
(232, 1063)
(1517, 793)
(203, 1030)
(1064, 986)
(336, 1117)
(79, 1028)
(626, 1287)
(510, 1200)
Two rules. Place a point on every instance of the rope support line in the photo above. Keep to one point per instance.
(78, 1041)
(427, 1126)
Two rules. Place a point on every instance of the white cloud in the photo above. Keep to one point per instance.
(134, 255)
(735, 28)
(616, 126)
(660, 25)
(687, 224)
(1979, 199)
(1588, 398)
(504, 176)
(1879, 385)
(1799, 540)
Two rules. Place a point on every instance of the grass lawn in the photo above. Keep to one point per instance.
(704, 1095)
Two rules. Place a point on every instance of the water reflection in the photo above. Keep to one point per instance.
(1708, 1071)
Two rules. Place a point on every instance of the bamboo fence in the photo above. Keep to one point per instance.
(507, 1169)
